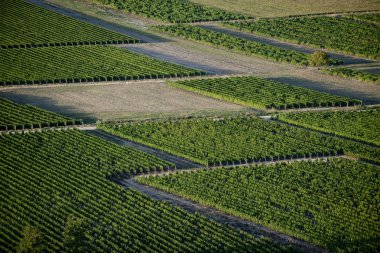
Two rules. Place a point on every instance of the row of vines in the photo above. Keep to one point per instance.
(175, 11)
(82, 64)
(237, 140)
(353, 74)
(372, 18)
(262, 93)
(47, 177)
(337, 33)
(24, 25)
(242, 45)
(334, 204)
(234, 43)
(361, 125)
(15, 117)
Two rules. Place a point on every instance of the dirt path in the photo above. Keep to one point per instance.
(135, 29)
(220, 217)
(286, 45)
(117, 101)
(220, 61)
(252, 228)
(213, 60)
(180, 163)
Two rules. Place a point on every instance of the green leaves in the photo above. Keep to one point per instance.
(237, 140)
(32, 241)
(262, 93)
(46, 183)
(331, 203)
(354, 74)
(25, 25)
(337, 33)
(235, 43)
(361, 125)
(82, 64)
(174, 11)
(74, 235)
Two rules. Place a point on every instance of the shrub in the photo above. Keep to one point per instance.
(319, 58)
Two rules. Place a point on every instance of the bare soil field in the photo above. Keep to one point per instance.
(278, 8)
(118, 101)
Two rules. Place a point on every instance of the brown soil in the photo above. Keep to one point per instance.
(118, 101)
(217, 60)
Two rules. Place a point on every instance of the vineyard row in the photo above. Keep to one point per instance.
(25, 25)
(83, 64)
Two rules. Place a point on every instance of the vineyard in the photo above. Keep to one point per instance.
(353, 74)
(238, 44)
(175, 11)
(24, 25)
(262, 93)
(336, 33)
(15, 116)
(237, 140)
(360, 125)
(185, 164)
(45, 177)
(82, 64)
(373, 18)
(333, 204)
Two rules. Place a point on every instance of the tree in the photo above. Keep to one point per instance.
(32, 240)
(74, 238)
(319, 58)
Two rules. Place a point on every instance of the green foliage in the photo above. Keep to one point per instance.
(16, 116)
(263, 93)
(353, 73)
(372, 18)
(175, 11)
(238, 140)
(334, 204)
(83, 63)
(319, 58)
(26, 25)
(32, 241)
(238, 44)
(74, 235)
(46, 177)
(336, 33)
(361, 125)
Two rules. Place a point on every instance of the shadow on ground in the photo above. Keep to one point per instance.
(189, 61)
(49, 105)
(347, 59)
(139, 34)
(366, 96)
